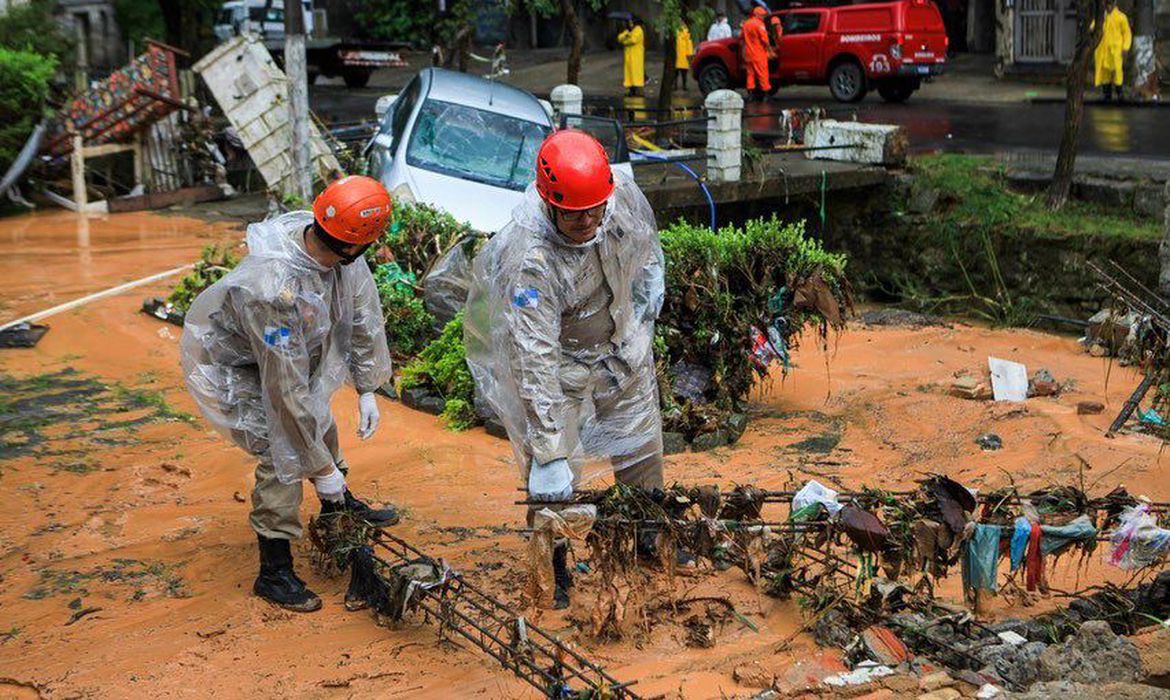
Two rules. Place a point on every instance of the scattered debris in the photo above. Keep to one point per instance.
(1094, 655)
(1009, 380)
(1043, 383)
(900, 317)
(862, 673)
(1090, 408)
(970, 387)
(22, 335)
(989, 441)
(80, 614)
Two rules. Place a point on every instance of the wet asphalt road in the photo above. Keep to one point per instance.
(1132, 131)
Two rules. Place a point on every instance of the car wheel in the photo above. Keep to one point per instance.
(712, 77)
(896, 91)
(847, 82)
(356, 78)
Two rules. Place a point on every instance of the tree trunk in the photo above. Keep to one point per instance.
(300, 182)
(577, 37)
(1090, 24)
(666, 89)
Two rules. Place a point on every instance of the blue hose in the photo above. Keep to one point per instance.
(689, 171)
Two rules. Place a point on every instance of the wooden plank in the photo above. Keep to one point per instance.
(158, 200)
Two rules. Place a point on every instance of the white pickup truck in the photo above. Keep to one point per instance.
(352, 60)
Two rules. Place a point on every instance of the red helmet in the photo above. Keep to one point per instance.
(572, 171)
(354, 209)
(758, 11)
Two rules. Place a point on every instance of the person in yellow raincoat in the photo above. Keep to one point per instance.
(633, 40)
(684, 48)
(1109, 56)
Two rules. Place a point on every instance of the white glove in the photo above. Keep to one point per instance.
(550, 482)
(368, 416)
(330, 485)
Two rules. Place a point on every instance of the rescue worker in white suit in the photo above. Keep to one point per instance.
(559, 327)
(265, 348)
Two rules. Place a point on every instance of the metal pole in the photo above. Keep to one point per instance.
(301, 179)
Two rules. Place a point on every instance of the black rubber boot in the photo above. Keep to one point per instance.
(378, 517)
(278, 583)
(564, 580)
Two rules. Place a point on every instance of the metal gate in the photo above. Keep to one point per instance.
(1036, 30)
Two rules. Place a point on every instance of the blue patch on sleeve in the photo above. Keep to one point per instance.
(276, 337)
(526, 298)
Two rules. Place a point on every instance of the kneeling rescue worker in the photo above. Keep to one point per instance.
(265, 348)
(559, 327)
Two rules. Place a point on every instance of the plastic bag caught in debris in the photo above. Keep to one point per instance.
(559, 336)
(812, 493)
(265, 348)
(446, 284)
(1138, 542)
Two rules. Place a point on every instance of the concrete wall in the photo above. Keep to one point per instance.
(105, 46)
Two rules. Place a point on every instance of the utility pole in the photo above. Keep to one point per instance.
(296, 70)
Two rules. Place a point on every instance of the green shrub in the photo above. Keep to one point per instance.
(215, 262)
(32, 27)
(442, 368)
(721, 288)
(408, 323)
(417, 236)
(24, 85)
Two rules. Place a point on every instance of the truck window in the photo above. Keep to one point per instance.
(875, 19)
(275, 14)
(801, 22)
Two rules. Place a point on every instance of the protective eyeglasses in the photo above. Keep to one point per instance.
(573, 217)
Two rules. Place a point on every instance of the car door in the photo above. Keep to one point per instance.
(800, 47)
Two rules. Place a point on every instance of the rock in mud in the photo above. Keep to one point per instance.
(941, 694)
(899, 317)
(709, 441)
(1094, 655)
(1070, 690)
(495, 428)
(1043, 383)
(1090, 408)
(1016, 664)
(753, 675)
(422, 400)
(736, 426)
(969, 387)
(989, 441)
(673, 443)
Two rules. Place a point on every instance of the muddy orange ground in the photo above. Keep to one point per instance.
(154, 532)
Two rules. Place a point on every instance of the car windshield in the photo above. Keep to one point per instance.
(475, 145)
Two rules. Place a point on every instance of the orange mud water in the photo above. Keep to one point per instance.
(126, 561)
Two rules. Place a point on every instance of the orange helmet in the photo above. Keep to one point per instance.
(572, 171)
(758, 11)
(354, 209)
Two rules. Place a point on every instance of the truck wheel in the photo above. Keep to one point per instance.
(896, 91)
(713, 76)
(356, 78)
(847, 82)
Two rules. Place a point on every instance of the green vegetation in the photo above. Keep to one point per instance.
(418, 235)
(985, 251)
(394, 20)
(974, 192)
(214, 262)
(442, 368)
(725, 290)
(140, 20)
(408, 323)
(32, 27)
(24, 87)
(68, 414)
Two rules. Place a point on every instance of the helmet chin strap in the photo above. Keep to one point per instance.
(337, 246)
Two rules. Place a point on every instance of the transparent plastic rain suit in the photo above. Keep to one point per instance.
(266, 347)
(559, 337)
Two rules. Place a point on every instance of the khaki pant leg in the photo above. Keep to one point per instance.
(275, 505)
(330, 439)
